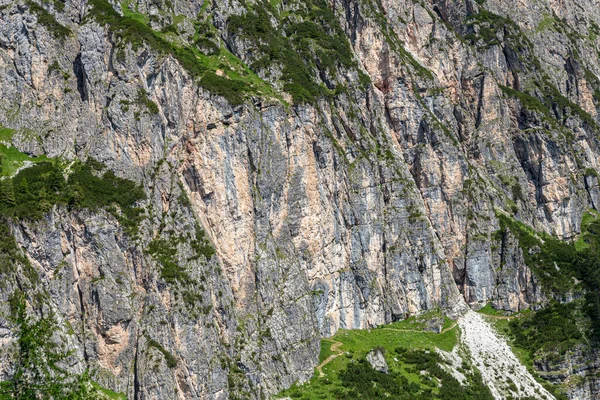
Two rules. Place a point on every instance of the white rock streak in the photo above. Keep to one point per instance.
(501, 370)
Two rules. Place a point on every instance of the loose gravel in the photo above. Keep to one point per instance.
(501, 370)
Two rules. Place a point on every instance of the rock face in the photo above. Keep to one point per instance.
(377, 201)
(377, 360)
(577, 371)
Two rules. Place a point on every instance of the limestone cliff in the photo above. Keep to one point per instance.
(347, 160)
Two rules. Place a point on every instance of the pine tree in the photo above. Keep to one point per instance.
(7, 193)
(37, 371)
(23, 188)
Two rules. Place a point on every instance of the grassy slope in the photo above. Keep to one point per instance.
(12, 159)
(108, 394)
(564, 326)
(218, 70)
(408, 334)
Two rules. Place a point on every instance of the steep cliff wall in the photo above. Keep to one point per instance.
(353, 191)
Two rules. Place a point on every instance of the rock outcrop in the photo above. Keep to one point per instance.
(377, 360)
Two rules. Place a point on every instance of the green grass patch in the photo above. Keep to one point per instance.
(48, 20)
(325, 349)
(416, 370)
(493, 312)
(236, 83)
(108, 394)
(490, 310)
(11, 159)
(6, 134)
(590, 216)
(363, 340)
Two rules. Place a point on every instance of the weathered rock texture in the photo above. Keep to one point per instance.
(355, 211)
(377, 360)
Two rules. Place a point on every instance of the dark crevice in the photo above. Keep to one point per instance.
(480, 102)
(81, 306)
(526, 151)
(136, 383)
(589, 192)
(503, 249)
(111, 57)
(79, 72)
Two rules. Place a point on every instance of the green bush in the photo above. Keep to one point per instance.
(360, 380)
(32, 192)
(142, 99)
(309, 45)
(35, 190)
(552, 329)
(46, 19)
(544, 253)
(165, 253)
(232, 90)
(137, 33)
(201, 245)
(37, 366)
(169, 358)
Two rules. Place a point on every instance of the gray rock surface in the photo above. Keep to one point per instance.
(377, 360)
(353, 212)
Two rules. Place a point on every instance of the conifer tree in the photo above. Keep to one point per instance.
(38, 363)
(7, 193)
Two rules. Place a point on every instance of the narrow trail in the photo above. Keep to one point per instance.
(420, 331)
(336, 348)
(336, 345)
(508, 317)
(500, 369)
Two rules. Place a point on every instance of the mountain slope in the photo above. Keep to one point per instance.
(307, 166)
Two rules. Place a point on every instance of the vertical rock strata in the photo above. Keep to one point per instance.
(373, 202)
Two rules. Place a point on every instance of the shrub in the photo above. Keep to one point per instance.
(35, 190)
(36, 369)
(46, 19)
(142, 99)
(169, 358)
(137, 33)
(165, 253)
(546, 330)
(314, 46)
